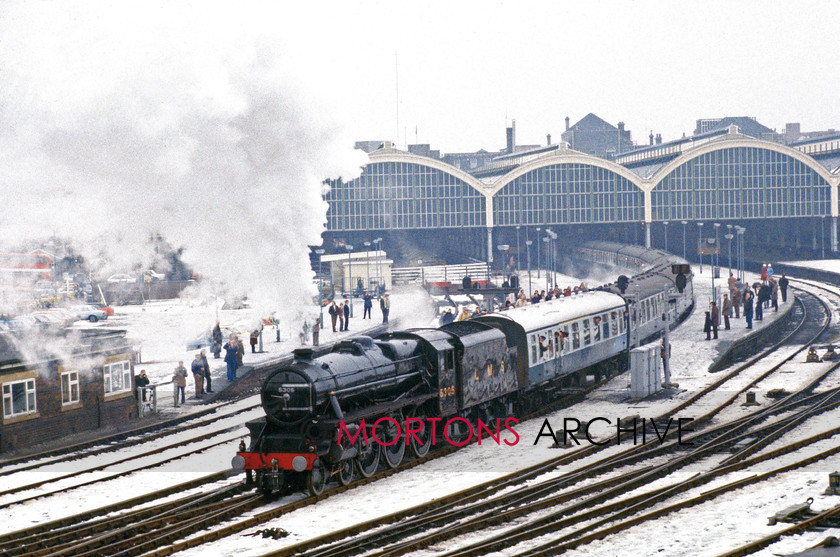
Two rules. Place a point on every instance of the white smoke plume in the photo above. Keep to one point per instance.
(121, 120)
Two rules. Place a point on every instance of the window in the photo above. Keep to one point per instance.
(605, 323)
(596, 328)
(117, 377)
(614, 321)
(533, 344)
(19, 398)
(69, 387)
(575, 337)
(586, 338)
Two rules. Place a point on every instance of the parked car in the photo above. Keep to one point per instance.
(150, 275)
(107, 309)
(90, 313)
(122, 278)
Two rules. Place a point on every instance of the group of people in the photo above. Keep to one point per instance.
(340, 314)
(201, 371)
(234, 354)
(753, 299)
(543, 296)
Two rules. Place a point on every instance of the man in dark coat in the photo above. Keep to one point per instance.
(231, 356)
(206, 366)
(368, 305)
(748, 306)
(707, 326)
(197, 369)
(217, 341)
(783, 284)
(142, 381)
(715, 319)
(334, 311)
(385, 306)
(762, 298)
(346, 311)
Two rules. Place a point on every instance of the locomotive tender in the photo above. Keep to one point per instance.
(484, 369)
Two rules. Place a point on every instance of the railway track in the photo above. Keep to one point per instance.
(727, 435)
(181, 527)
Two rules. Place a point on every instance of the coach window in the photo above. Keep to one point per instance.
(69, 387)
(117, 377)
(605, 323)
(19, 398)
(575, 336)
(596, 328)
(533, 344)
(587, 340)
(614, 322)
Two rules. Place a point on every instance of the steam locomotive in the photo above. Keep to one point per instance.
(322, 411)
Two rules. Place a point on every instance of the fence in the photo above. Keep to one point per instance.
(440, 273)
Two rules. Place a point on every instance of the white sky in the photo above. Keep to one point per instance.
(467, 67)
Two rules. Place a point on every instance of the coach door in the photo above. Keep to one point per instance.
(447, 382)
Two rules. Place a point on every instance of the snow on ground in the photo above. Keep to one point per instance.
(162, 330)
(475, 464)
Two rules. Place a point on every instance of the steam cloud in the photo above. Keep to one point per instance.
(122, 120)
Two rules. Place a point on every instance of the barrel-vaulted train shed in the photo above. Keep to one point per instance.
(776, 190)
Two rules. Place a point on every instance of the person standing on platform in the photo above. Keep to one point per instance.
(783, 284)
(255, 336)
(340, 317)
(217, 340)
(774, 294)
(736, 302)
(748, 306)
(316, 331)
(231, 356)
(180, 379)
(715, 319)
(368, 305)
(141, 382)
(197, 369)
(334, 311)
(385, 306)
(240, 353)
(707, 326)
(727, 309)
(346, 311)
(206, 365)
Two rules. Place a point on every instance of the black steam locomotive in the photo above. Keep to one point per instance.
(341, 413)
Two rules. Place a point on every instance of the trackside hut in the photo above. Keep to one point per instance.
(46, 397)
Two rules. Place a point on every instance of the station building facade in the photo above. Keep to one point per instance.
(782, 194)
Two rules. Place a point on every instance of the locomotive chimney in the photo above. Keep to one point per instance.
(303, 353)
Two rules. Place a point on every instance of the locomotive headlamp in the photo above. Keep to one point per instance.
(299, 463)
(237, 463)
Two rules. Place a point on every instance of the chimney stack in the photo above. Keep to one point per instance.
(511, 137)
(659, 139)
(621, 126)
(548, 139)
(567, 123)
(651, 137)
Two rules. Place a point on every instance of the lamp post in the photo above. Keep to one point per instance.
(700, 243)
(349, 271)
(716, 251)
(739, 230)
(320, 252)
(553, 245)
(545, 240)
(538, 252)
(665, 224)
(378, 243)
(518, 265)
(711, 242)
(367, 264)
(528, 245)
(422, 273)
(729, 237)
(684, 222)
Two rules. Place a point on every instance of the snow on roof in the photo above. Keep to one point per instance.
(566, 308)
